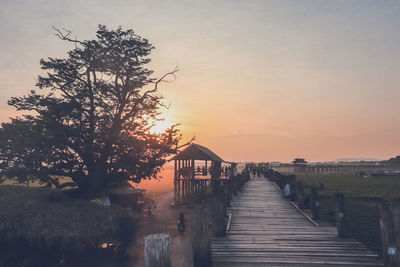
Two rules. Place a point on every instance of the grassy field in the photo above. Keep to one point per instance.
(363, 196)
(385, 187)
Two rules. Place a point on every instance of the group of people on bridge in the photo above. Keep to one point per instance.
(186, 172)
(256, 169)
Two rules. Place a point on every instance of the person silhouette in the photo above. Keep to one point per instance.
(181, 223)
(153, 207)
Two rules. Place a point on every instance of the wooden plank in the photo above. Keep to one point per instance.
(295, 261)
(265, 229)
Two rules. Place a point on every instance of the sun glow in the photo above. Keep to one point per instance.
(162, 125)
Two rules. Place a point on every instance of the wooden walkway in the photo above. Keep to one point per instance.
(266, 230)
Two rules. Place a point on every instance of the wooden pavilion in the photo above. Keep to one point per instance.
(191, 181)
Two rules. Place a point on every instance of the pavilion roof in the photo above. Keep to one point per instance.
(197, 152)
(299, 160)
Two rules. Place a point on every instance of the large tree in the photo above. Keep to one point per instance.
(91, 118)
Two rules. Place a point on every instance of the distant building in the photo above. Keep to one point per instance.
(299, 165)
(299, 161)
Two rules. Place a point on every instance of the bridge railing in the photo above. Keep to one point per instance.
(211, 217)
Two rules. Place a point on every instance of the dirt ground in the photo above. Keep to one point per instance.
(165, 221)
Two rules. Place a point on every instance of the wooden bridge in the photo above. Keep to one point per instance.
(266, 230)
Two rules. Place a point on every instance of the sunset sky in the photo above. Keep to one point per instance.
(258, 81)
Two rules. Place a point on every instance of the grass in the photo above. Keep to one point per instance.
(39, 225)
(15, 182)
(362, 197)
(6, 181)
(385, 187)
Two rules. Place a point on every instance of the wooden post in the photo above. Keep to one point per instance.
(199, 187)
(193, 170)
(189, 190)
(292, 182)
(230, 191)
(175, 169)
(341, 218)
(186, 189)
(314, 204)
(178, 190)
(157, 250)
(300, 195)
(175, 183)
(235, 185)
(175, 190)
(390, 233)
(217, 215)
(179, 174)
(184, 192)
(200, 238)
(192, 184)
(193, 189)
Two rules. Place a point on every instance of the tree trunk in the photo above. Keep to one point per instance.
(157, 250)
(97, 180)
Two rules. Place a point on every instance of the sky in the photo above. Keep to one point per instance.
(259, 80)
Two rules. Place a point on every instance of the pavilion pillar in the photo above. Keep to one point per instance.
(175, 182)
(183, 190)
(212, 170)
(188, 181)
(179, 182)
(193, 169)
(188, 188)
(179, 190)
(192, 183)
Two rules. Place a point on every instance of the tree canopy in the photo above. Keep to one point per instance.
(91, 116)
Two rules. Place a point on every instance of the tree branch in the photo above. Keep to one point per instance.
(66, 36)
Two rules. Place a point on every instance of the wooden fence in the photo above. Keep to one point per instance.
(212, 219)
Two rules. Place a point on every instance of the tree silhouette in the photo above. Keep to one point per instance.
(92, 116)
